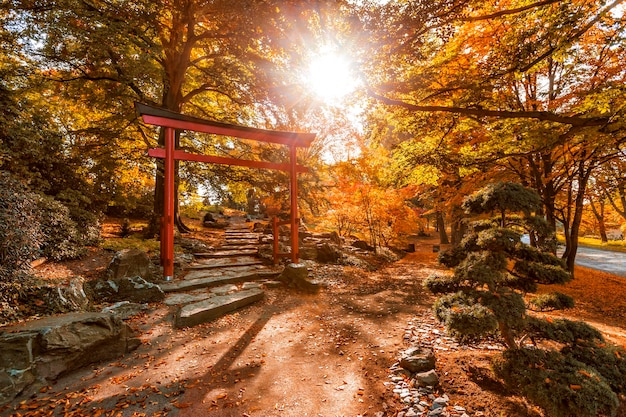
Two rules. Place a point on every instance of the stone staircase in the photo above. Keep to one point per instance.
(219, 282)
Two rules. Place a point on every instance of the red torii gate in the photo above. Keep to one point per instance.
(172, 121)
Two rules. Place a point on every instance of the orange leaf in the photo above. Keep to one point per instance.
(585, 373)
(181, 405)
(575, 387)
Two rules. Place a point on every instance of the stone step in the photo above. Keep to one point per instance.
(242, 241)
(245, 244)
(241, 235)
(238, 247)
(227, 253)
(214, 307)
(209, 281)
(222, 272)
(222, 263)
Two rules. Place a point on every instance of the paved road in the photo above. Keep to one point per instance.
(607, 261)
(602, 260)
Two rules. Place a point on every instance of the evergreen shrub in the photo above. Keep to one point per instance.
(581, 374)
(552, 301)
(560, 384)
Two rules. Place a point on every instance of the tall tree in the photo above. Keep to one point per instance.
(529, 87)
(209, 58)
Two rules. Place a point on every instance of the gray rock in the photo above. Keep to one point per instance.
(361, 244)
(435, 412)
(72, 295)
(297, 275)
(125, 309)
(129, 263)
(39, 351)
(427, 379)
(327, 253)
(102, 290)
(138, 290)
(416, 359)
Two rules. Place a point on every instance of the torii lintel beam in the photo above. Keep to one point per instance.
(166, 118)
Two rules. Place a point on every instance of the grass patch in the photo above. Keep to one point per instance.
(116, 244)
(590, 242)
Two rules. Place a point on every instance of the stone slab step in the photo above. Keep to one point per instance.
(212, 308)
(227, 253)
(222, 264)
(241, 235)
(209, 281)
(238, 247)
(246, 241)
(223, 272)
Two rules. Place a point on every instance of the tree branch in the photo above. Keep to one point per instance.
(503, 114)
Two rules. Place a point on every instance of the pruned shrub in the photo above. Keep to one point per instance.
(560, 384)
(483, 298)
(441, 284)
(552, 301)
(564, 331)
(609, 361)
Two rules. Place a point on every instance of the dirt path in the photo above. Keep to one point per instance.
(293, 354)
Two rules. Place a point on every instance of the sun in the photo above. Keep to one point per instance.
(330, 77)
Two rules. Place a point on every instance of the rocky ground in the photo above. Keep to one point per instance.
(334, 353)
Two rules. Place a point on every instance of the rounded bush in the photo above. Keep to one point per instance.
(560, 384)
(552, 301)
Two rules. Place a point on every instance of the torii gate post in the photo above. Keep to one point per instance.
(171, 121)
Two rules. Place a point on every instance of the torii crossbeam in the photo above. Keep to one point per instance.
(172, 121)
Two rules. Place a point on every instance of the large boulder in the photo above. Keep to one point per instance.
(37, 352)
(129, 263)
(133, 289)
(327, 253)
(297, 275)
(361, 244)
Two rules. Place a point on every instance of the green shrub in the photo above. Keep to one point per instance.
(558, 383)
(563, 331)
(609, 361)
(86, 222)
(61, 237)
(552, 301)
(439, 284)
(465, 320)
(20, 234)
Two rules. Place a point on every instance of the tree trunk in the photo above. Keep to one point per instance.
(458, 227)
(572, 243)
(159, 195)
(600, 218)
(441, 227)
(507, 335)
